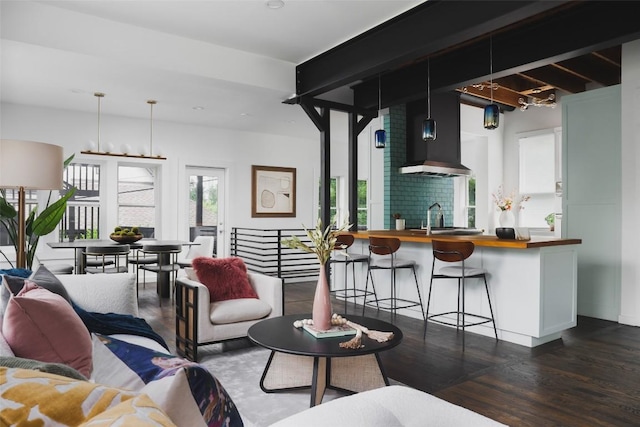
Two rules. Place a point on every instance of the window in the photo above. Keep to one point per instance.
(136, 198)
(470, 204)
(333, 199)
(363, 210)
(340, 204)
(82, 217)
(538, 176)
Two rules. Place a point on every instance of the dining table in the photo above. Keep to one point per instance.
(80, 246)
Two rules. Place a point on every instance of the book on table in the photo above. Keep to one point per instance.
(334, 331)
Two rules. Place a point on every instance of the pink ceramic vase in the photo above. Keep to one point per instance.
(321, 312)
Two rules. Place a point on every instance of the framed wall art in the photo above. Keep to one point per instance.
(273, 191)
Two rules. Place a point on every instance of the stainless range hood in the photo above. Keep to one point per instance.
(441, 157)
(434, 168)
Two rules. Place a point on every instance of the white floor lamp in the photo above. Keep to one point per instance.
(29, 165)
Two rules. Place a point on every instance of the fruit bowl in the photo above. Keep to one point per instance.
(125, 239)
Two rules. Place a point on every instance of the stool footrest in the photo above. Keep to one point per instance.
(386, 303)
(484, 320)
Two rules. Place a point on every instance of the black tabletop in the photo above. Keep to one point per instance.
(279, 334)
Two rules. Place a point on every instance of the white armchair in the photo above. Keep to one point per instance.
(200, 322)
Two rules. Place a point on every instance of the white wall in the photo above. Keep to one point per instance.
(182, 145)
(630, 274)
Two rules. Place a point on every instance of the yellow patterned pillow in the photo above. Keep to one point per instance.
(140, 411)
(30, 398)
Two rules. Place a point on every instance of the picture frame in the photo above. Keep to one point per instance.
(273, 191)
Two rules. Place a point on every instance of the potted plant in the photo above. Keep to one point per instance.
(551, 220)
(35, 225)
(400, 222)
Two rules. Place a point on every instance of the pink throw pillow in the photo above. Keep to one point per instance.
(226, 278)
(41, 325)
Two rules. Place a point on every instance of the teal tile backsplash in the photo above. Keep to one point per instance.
(410, 195)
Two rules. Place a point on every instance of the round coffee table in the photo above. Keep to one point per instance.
(300, 360)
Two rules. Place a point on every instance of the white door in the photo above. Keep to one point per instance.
(206, 205)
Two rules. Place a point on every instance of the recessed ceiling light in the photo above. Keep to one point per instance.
(198, 108)
(274, 4)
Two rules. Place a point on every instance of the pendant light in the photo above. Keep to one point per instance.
(491, 111)
(381, 134)
(429, 125)
(151, 103)
(125, 147)
(99, 95)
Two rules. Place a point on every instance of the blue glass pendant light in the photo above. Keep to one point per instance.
(491, 111)
(381, 134)
(429, 125)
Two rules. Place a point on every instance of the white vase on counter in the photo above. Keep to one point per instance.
(506, 219)
(400, 224)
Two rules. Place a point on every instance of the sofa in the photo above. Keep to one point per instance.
(166, 396)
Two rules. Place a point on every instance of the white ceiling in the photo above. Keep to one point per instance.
(234, 58)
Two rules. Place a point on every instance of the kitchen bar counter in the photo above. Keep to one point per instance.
(420, 236)
(533, 283)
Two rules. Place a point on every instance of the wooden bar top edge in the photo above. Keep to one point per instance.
(478, 240)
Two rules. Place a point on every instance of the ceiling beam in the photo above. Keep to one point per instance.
(427, 28)
(459, 55)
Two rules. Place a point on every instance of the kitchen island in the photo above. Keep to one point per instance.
(533, 283)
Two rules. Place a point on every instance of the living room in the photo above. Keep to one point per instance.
(224, 143)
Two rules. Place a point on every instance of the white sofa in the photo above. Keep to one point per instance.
(387, 406)
(201, 322)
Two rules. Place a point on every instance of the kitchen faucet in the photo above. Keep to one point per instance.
(440, 216)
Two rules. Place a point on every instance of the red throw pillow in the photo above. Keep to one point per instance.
(226, 278)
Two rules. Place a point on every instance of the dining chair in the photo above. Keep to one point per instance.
(166, 267)
(454, 254)
(111, 258)
(201, 246)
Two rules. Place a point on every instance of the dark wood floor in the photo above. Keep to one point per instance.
(591, 377)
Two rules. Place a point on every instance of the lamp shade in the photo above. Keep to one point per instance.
(380, 138)
(31, 165)
(491, 116)
(429, 130)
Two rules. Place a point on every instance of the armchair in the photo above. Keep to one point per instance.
(200, 322)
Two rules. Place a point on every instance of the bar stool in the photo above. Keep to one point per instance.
(109, 258)
(382, 256)
(457, 252)
(342, 256)
(165, 267)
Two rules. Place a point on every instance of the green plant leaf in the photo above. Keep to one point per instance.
(47, 221)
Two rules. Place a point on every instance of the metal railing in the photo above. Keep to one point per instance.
(262, 251)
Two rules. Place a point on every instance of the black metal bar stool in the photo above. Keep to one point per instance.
(457, 252)
(382, 256)
(342, 256)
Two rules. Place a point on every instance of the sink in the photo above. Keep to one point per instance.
(458, 231)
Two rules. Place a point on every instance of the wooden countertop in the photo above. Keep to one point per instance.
(479, 240)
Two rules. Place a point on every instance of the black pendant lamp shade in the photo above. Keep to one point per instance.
(380, 135)
(491, 111)
(429, 125)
